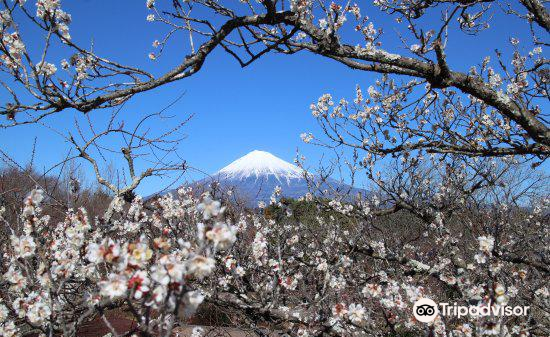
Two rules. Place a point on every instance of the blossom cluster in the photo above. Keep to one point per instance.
(332, 272)
(60, 274)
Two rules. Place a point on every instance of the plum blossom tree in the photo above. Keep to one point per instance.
(61, 275)
(493, 109)
(453, 231)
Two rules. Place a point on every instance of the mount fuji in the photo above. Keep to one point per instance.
(254, 176)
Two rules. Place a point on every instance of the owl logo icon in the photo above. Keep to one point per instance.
(425, 310)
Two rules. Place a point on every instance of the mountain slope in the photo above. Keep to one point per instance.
(254, 176)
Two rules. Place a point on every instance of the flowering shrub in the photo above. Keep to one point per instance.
(318, 275)
(57, 276)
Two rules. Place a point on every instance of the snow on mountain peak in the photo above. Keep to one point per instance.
(261, 163)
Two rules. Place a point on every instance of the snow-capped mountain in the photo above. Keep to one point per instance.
(260, 164)
(254, 176)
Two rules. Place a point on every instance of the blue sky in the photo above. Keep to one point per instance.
(264, 106)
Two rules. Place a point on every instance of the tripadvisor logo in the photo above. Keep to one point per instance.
(425, 310)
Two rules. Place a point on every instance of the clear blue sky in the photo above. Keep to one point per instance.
(264, 106)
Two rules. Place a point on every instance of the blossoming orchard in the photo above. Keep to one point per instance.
(455, 156)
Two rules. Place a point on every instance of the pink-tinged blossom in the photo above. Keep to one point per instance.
(114, 287)
(23, 246)
(139, 282)
(486, 243)
(356, 313)
(200, 266)
(209, 207)
(222, 235)
(191, 301)
(8, 329)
